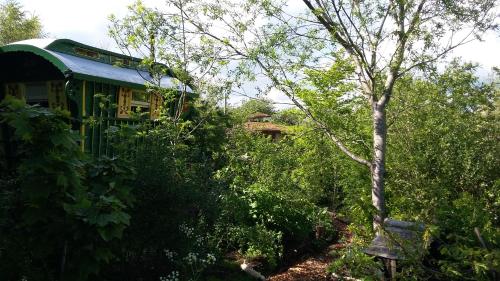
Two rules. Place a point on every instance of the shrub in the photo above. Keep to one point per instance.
(174, 191)
(266, 208)
(62, 212)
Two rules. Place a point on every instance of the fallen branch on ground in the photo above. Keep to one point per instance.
(248, 269)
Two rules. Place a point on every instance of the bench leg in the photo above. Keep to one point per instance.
(393, 269)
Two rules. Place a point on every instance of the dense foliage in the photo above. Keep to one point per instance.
(251, 107)
(442, 171)
(181, 195)
(275, 197)
(61, 212)
(17, 24)
(176, 197)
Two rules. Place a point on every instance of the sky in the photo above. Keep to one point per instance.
(86, 21)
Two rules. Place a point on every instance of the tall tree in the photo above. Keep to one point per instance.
(169, 45)
(344, 52)
(253, 106)
(16, 25)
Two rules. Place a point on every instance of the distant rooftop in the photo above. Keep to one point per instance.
(258, 116)
(263, 127)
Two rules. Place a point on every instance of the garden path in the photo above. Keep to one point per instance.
(314, 268)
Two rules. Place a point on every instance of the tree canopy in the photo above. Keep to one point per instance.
(17, 24)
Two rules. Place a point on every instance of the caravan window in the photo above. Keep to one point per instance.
(37, 93)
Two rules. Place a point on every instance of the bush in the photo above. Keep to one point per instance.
(266, 207)
(174, 192)
(62, 212)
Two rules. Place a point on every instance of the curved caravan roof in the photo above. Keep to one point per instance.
(90, 63)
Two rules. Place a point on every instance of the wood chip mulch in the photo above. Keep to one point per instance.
(314, 268)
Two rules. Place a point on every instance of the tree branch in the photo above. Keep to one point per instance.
(398, 57)
(351, 48)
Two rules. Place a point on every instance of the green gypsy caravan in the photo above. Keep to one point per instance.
(69, 75)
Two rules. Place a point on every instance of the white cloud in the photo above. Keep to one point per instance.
(282, 101)
(83, 21)
(87, 21)
(483, 52)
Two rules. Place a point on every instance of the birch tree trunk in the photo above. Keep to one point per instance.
(378, 164)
